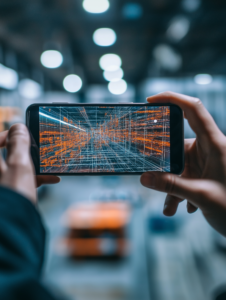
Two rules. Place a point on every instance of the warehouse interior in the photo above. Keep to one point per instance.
(57, 51)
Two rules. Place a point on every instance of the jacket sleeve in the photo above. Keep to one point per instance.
(22, 242)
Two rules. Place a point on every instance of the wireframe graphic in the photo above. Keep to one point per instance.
(101, 139)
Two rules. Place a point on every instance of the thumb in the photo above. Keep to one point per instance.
(3, 137)
(198, 192)
(19, 173)
(18, 146)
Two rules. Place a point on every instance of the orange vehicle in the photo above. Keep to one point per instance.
(97, 229)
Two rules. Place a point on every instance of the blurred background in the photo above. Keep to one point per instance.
(107, 237)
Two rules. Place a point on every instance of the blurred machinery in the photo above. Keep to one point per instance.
(97, 230)
(8, 116)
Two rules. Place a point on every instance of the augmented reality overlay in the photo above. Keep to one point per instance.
(95, 139)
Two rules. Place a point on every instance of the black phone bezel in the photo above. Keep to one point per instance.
(176, 136)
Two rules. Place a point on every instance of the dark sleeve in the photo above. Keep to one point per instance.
(22, 241)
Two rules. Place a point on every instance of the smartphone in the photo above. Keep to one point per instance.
(106, 139)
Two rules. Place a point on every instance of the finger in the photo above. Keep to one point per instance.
(196, 191)
(191, 208)
(171, 205)
(18, 147)
(197, 115)
(3, 166)
(3, 138)
(19, 175)
(47, 179)
(188, 143)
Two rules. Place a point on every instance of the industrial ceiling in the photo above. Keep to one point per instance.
(27, 28)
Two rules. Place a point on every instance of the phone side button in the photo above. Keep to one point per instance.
(59, 102)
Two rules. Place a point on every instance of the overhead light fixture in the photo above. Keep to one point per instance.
(51, 59)
(178, 28)
(110, 62)
(114, 75)
(132, 11)
(72, 83)
(191, 5)
(29, 89)
(104, 37)
(96, 6)
(8, 78)
(117, 87)
(203, 79)
(167, 57)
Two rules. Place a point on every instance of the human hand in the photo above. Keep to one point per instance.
(203, 182)
(17, 172)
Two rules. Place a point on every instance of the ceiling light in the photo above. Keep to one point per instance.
(8, 78)
(72, 83)
(167, 57)
(104, 37)
(51, 59)
(110, 62)
(132, 11)
(191, 5)
(113, 76)
(203, 79)
(178, 28)
(117, 87)
(29, 89)
(96, 6)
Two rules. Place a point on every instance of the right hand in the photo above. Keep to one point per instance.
(203, 182)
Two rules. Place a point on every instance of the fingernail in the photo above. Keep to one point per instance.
(165, 207)
(148, 180)
(167, 210)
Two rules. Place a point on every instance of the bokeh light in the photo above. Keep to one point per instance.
(8, 78)
(51, 59)
(104, 37)
(72, 83)
(96, 6)
(117, 87)
(203, 79)
(29, 89)
(114, 75)
(110, 62)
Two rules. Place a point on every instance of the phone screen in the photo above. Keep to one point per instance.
(102, 139)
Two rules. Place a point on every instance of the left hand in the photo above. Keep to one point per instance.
(17, 142)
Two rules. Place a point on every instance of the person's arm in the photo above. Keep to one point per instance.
(22, 240)
(203, 182)
(22, 236)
